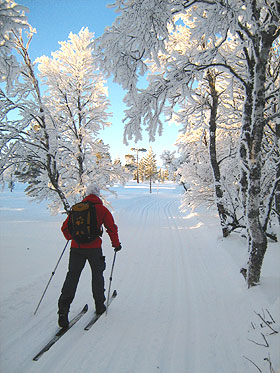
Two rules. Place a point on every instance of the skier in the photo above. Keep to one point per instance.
(80, 253)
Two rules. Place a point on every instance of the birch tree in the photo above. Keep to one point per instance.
(53, 143)
(211, 117)
(140, 35)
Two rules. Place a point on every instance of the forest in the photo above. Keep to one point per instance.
(212, 66)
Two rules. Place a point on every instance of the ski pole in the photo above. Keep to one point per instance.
(53, 272)
(111, 277)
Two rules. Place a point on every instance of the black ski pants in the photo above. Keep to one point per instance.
(77, 261)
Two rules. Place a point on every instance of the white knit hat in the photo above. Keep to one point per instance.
(93, 189)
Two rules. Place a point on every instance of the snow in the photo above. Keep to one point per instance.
(182, 305)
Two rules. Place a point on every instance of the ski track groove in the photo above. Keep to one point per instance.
(179, 314)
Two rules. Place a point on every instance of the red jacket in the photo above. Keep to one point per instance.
(103, 217)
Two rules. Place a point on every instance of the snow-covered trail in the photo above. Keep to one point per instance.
(179, 292)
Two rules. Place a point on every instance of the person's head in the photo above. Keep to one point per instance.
(93, 189)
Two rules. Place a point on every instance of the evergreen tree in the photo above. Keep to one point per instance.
(163, 175)
(149, 166)
(130, 165)
(141, 170)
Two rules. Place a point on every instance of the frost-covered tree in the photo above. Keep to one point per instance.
(214, 102)
(163, 175)
(137, 151)
(271, 152)
(173, 164)
(131, 165)
(169, 161)
(211, 116)
(26, 140)
(197, 171)
(77, 98)
(277, 186)
(149, 167)
(53, 145)
(246, 29)
(141, 170)
(12, 20)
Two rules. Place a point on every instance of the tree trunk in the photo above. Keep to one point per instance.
(219, 193)
(258, 240)
(277, 192)
(245, 143)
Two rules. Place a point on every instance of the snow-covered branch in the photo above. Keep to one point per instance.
(179, 41)
(53, 143)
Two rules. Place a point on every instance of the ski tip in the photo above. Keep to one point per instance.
(114, 293)
(85, 308)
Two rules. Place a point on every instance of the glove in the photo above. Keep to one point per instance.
(118, 248)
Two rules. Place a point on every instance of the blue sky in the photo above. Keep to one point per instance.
(54, 20)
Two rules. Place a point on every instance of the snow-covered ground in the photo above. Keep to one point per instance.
(182, 305)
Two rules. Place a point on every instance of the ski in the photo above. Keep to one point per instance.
(60, 333)
(95, 316)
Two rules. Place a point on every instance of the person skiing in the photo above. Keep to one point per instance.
(92, 251)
